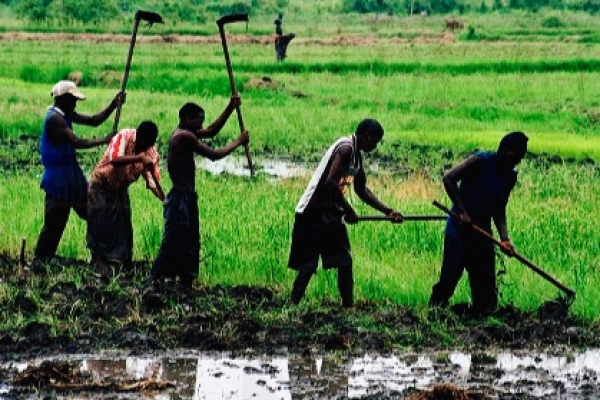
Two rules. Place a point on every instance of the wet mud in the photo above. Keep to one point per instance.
(68, 308)
(97, 312)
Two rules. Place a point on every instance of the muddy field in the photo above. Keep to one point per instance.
(205, 310)
(232, 319)
(113, 316)
(237, 320)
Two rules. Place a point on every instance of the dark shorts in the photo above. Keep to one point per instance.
(179, 253)
(312, 238)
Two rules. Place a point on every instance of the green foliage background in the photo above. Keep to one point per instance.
(91, 11)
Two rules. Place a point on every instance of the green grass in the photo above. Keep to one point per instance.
(559, 110)
(246, 229)
(323, 19)
(436, 101)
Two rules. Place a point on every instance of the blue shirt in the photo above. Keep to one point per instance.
(484, 192)
(63, 178)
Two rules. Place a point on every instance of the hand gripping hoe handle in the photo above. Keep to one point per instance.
(221, 22)
(568, 291)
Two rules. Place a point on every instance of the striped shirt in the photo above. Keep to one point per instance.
(120, 176)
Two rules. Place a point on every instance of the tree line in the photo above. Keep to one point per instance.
(93, 11)
(404, 7)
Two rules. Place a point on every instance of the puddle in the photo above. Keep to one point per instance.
(221, 376)
(235, 165)
(280, 168)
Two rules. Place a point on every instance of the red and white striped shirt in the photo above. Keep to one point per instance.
(120, 176)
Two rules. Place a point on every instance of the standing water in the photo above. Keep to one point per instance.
(220, 376)
(277, 168)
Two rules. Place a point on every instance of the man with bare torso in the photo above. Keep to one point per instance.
(179, 254)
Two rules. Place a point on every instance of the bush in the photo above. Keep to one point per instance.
(446, 6)
(372, 6)
(483, 7)
(182, 11)
(35, 10)
(90, 10)
(591, 6)
(552, 22)
(471, 35)
(237, 7)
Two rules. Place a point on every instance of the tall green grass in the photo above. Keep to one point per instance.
(246, 228)
(306, 111)
(436, 101)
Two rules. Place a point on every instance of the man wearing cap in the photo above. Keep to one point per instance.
(479, 188)
(63, 180)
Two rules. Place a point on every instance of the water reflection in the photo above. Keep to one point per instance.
(219, 376)
(223, 378)
(279, 168)
(235, 165)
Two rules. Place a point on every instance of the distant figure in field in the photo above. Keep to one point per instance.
(278, 27)
(319, 230)
(281, 44)
(453, 24)
(130, 154)
(63, 180)
(486, 181)
(281, 40)
(179, 253)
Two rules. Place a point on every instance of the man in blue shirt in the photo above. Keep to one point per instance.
(63, 180)
(479, 188)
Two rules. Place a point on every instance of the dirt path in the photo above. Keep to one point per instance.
(340, 40)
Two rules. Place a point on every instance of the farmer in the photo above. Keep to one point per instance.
(281, 40)
(319, 228)
(63, 180)
(131, 153)
(281, 44)
(479, 188)
(179, 253)
(278, 22)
